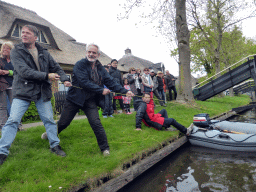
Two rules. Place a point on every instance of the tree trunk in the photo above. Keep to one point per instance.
(183, 35)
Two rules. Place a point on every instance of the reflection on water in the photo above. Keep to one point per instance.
(199, 169)
(193, 168)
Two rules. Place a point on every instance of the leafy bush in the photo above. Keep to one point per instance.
(32, 114)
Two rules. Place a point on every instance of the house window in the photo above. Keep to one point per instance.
(17, 33)
(61, 86)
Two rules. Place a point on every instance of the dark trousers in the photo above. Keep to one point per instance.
(174, 91)
(108, 106)
(161, 102)
(139, 92)
(170, 121)
(134, 99)
(120, 102)
(90, 109)
(127, 108)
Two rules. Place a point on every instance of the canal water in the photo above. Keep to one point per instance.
(192, 168)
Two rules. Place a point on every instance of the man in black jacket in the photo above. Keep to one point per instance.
(170, 83)
(34, 68)
(89, 78)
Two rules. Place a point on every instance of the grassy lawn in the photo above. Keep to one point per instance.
(31, 167)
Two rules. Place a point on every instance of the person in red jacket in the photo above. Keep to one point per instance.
(146, 114)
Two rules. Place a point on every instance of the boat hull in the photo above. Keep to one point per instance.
(217, 139)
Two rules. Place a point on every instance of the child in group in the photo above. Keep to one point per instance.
(127, 100)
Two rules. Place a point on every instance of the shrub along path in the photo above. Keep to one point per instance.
(31, 167)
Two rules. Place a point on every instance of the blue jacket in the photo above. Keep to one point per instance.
(84, 87)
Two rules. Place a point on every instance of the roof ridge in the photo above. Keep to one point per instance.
(16, 6)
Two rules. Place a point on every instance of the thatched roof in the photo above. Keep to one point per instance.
(129, 60)
(63, 47)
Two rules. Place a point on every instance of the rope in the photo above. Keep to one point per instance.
(118, 93)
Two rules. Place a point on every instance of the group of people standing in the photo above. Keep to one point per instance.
(138, 83)
(33, 69)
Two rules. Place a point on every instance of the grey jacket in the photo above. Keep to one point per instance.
(154, 79)
(29, 83)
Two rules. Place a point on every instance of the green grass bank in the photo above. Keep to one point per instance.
(31, 167)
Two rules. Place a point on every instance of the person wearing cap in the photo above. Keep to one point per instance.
(155, 88)
(160, 87)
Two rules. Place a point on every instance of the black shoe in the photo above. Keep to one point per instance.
(2, 158)
(58, 151)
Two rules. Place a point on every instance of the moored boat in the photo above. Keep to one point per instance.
(223, 135)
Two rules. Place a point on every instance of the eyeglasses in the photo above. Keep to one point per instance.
(146, 70)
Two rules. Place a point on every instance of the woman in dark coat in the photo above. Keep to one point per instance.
(114, 72)
(6, 79)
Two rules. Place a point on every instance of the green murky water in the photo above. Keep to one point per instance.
(194, 168)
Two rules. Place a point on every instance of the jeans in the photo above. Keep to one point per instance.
(161, 102)
(19, 107)
(162, 94)
(171, 121)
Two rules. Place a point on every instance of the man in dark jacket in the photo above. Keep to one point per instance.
(155, 88)
(114, 72)
(89, 78)
(170, 83)
(34, 68)
(146, 114)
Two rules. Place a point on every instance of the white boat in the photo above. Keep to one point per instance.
(223, 135)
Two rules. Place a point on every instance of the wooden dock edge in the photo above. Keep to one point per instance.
(133, 172)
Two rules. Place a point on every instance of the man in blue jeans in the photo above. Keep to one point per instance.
(34, 68)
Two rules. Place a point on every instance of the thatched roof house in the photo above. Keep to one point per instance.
(64, 48)
(129, 60)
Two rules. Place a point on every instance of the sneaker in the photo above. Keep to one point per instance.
(189, 129)
(164, 105)
(2, 158)
(128, 113)
(105, 116)
(111, 116)
(44, 136)
(106, 152)
(58, 151)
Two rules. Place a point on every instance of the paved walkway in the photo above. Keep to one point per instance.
(29, 125)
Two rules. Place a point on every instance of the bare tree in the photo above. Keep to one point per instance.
(176, 24)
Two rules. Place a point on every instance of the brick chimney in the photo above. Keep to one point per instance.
(128, 51)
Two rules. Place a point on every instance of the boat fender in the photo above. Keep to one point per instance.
(202, 120)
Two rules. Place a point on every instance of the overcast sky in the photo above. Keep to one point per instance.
(96, 22)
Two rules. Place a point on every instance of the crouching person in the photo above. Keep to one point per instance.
(146, 114)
